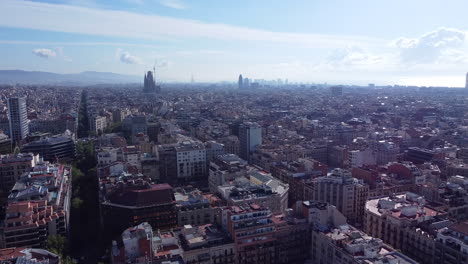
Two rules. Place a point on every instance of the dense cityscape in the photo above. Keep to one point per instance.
(233, 132)
(244, 172)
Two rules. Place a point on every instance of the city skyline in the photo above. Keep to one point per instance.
(381, 43)
(234, 132)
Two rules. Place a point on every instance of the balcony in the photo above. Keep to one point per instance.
(240, 226)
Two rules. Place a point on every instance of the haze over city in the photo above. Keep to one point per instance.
(339, 42)
(233, 132)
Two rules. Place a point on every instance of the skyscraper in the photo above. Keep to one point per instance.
(18, 118)
(250, 136)
(246, 83)
(466, 82)
(241, 83)
(149, 85)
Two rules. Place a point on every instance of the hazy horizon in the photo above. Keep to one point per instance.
(302, 41)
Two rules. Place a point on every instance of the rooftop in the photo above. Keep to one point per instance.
(194, 237)
(364, 248)
(48, 141)
(140, 194)
(404, 206)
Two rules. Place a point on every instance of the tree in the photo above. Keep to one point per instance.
(77, 203)
(83, 121)
(68, 260)
(58, 245)
(84, 221)
(114, 128)
(16, 150)
(76, 173)
(85, 156)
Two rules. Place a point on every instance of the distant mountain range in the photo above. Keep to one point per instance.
(83, 78)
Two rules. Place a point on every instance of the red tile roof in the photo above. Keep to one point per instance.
(10, 253)
(460, 228)
(155, 195)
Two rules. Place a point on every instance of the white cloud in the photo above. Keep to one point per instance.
(353, 55)
(453, 56)
(51, 53)
(44, 53)
(443, 51)
(61, 54)
(444, 45)
(53, 43)
(442, 80)
(293, 69)
(135, 2)
(163, 64)
(176, 4)
(355, 59)
(44, 16)
(126, 57)
(85, 3)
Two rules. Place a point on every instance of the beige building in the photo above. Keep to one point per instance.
(12, 167)
(404, 222)
(207, 244)
(97, 124)
(345, 244)
(457, 167)
(225, 168)
(451, 245)
(231, 144)
(260, 188)
(348, 194)
(334, 241)
(193, 208)
(463, 154)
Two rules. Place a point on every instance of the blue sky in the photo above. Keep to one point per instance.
(336, 41)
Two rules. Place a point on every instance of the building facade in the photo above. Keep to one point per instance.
(252, 230)
(12, 167)
(127, 205)
(38, 206)
(399, 221)
(348, 194)
(52, 149)
(191, 160)
(250, 136)
(18, 119)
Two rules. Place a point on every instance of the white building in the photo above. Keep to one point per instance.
(191, 159)
(348, 194)
(226, 168)
(133, 156)
(385, 152)
(18, 119)
(359, 158)
(97, 124)
(132, 238)
(250, 136)
(259, 188)
(213, 150)
(106, 156)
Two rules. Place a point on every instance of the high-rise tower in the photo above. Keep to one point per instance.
(149, 84)
(246, 83)
(18, 118)
(466, 82)
(250, 137)
(241, 82)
